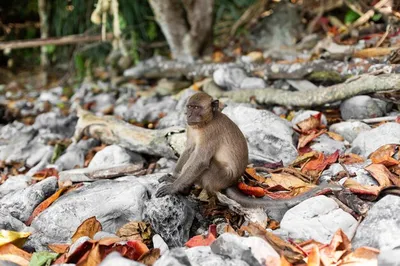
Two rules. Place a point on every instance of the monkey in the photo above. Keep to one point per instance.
(215, 157)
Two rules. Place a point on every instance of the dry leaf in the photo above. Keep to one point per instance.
(252, 172)
(9, 252)
(305, 139)
(251, 191)
(305, 157)
(58, 248)
(45, 204)
(357, 188)
(16, 238)
(150, 257)
(309, 124)
(339, 246)
(139, 248)
(335, 136)
(316, 166)
(135, 231)
(291, 252)
(314, 258)
(362, 256)
(229, 229)
(89, 228)
(380, 173)
(44, 173)
(351, 158)
(384, 155)
(200, 240)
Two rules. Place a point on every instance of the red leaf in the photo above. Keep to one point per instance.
(200, 240)
(252, 191)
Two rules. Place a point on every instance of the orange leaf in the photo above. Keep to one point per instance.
(305, 139)
(200, 240)
(45, 204)
(44, 173)
(362, 256)
(357, 188)
(335, 136)
(9, 252)
(313, 258)
(89, 228)
(252, 191)
(339, 245)
(309, 124)
(139, 249)
(252, 172)
(384, 154)
(321, 162)
(58, 248)
(380, 173)
(351, 158)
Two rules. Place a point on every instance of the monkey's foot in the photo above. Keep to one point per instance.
(165, 190)
(167, 178)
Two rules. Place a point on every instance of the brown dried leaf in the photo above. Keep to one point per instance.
(309, 124)
(335, 136)
(135, 231)
(384, 154)
(380, 173)
(150, 257)
(291, 252)
(314, 257)
(361, 256)
(58, 248)
(305, 157)
(44, 173)
(252, 172)
(357, 188)
(9, 252)
(339, 246)
(89, 228)
(305, 139)
(351, 158)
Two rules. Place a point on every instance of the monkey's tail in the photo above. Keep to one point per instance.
(268, 203)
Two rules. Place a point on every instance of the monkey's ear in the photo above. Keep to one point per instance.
(215, 105)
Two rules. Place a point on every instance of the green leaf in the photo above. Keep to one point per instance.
(350, 17)
(376, 17)
(42, 258)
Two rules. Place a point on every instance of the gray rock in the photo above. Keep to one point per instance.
(21, 204)
(233, 247)
(252, 83)
(369, 141)
(104, 102)
(305, 114)
(14, 183)
(349, 130)
(148, 109)
(229, 78)
(171, 86)
(360, 107)
(75, 154)
(317, 218)
(389, 257)
(115, 258)
(42, 154)
(203, 256)
(269, 137)
(115, 155)
(381, 228)
(327, 145)
(8, 222)
(362, 175)
(113, 202)
(171, 217)
(56, 123)
(102, 234)
(253, 250)
(274, 32)
(53, 95)
(174, 257)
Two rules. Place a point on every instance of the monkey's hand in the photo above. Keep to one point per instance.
(165, 190)
(167, 178)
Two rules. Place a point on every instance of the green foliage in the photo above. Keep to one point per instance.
(232, 9)
(42, 258)
(350, 17)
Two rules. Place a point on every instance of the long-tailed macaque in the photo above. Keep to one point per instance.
(215, 157)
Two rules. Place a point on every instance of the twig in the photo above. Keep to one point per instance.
(379, 119)
(369, 14)
(384, 36)
(70, 39)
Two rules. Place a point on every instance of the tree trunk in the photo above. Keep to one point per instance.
(187, 26)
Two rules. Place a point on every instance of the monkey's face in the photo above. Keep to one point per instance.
(197, 114)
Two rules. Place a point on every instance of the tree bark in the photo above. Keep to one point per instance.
(187, 25)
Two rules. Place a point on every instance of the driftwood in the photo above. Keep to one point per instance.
(159, 67)
(159, 142)
(363, 84)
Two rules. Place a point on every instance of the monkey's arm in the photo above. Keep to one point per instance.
(268, 203)
(181, 162)
(198, 162)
